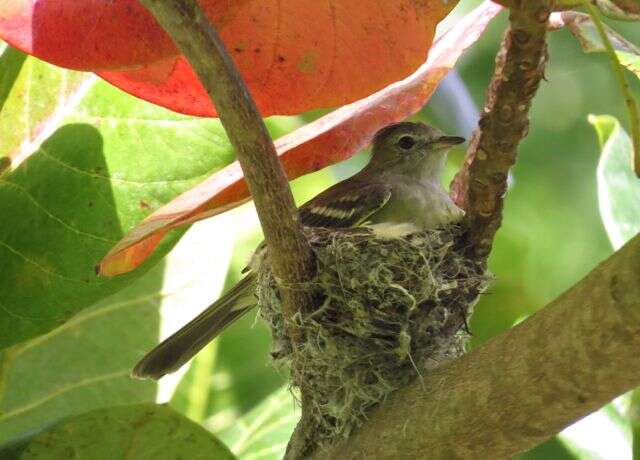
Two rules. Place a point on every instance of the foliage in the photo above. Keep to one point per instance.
(143, 430)
(82, 164)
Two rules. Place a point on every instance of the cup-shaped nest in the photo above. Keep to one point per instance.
(389, 309)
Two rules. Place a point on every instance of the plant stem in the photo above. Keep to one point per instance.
(289, 252)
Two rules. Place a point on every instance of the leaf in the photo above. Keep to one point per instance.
(90, 162)
(618, 187)
(329, 139)
(31, 111)
(295, 55)
(264, 432)
(554, 449)
(85, 363)
(583, 28)
(135, 431)
(594, 36)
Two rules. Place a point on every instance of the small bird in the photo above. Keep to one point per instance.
(400, 185)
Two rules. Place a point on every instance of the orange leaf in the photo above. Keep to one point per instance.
(295, 55)
(329, 139)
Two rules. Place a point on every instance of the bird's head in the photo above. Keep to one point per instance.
(412, 148)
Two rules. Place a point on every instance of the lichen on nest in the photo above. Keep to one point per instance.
(389, 310)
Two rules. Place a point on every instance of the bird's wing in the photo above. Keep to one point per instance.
(340, 207)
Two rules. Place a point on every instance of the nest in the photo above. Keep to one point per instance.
(389, 309)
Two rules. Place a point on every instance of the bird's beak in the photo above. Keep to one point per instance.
(448, 141)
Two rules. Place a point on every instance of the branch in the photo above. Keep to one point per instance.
(523, 386)
(290, 255)
(480, 186)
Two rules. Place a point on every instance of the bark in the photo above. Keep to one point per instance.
(479, 188)
(523, 386)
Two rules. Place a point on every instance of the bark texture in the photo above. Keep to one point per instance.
(479, 188)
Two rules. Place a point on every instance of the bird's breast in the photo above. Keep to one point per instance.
(424, 205)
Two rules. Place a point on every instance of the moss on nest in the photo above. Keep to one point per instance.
(389, 310)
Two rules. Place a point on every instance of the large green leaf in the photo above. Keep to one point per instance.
(618, 187)
(136, 431)
(85, 363)
(91, 163)
(263, 433)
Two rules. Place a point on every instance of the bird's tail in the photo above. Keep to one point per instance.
(175, 351)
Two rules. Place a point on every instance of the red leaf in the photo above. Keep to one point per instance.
(328, 140)
(295, 55)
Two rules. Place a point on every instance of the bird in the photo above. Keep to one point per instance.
(400, 185)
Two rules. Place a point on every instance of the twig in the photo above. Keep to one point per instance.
(523, 386)
(290, 255)
(480, 186)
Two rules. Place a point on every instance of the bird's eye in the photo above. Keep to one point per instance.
(406, 142)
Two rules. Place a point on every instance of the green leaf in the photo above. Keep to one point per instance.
(83, 364)
(11, 62)
(554, 449)
(582, 27)
(136, 431)
(89, 163)
(618, 187)
(263, 433)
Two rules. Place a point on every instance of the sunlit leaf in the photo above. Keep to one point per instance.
(264, 432)
(295, 55)
(329, 139)
(135, 431)
(618, 187)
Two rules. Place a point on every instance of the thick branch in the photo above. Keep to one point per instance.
(289, 253)
(480, 186)
(523, 386)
